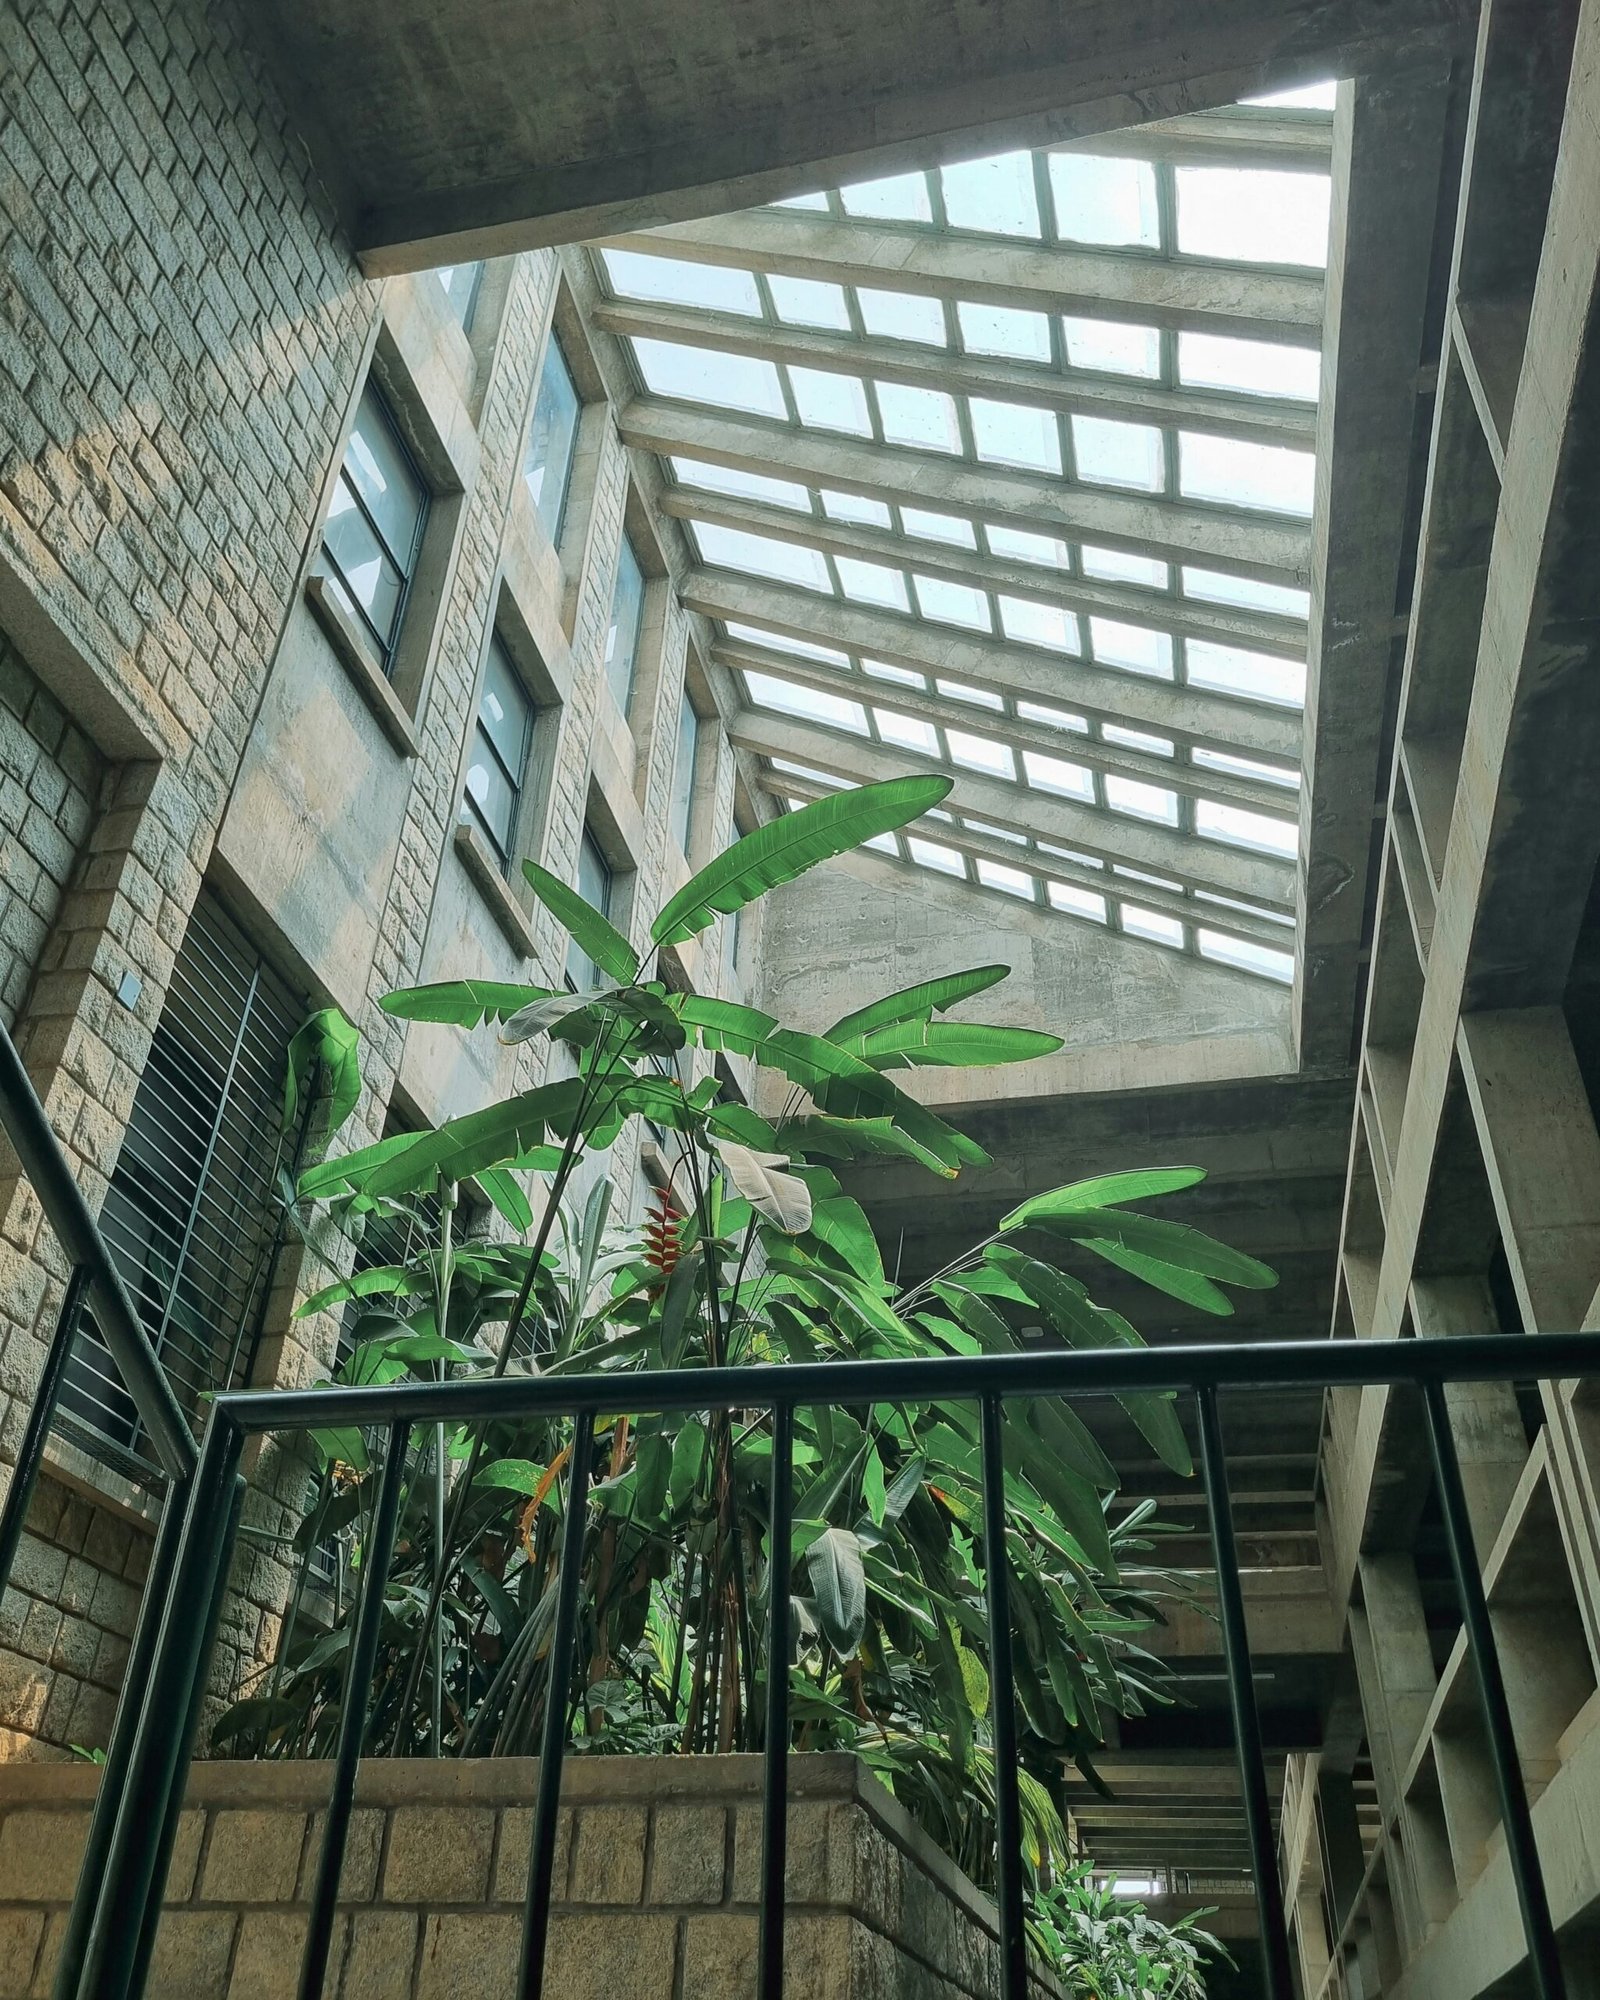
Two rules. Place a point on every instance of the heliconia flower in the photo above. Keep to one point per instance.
(660, 1231)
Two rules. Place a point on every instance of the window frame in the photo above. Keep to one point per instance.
(556, 527)
(387, 649)
(588, 840)
(517, 781)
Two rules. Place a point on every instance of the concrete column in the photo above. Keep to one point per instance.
(1485, 1423)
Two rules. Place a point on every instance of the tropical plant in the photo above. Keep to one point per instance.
(1106, 1946)
(752, 1254)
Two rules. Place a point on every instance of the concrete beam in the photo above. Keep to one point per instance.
(1256, 419)
(1231, 136)
(1187, 714)
(1097, 284)
(1268, 546)
(481, 129)
(1182, 857)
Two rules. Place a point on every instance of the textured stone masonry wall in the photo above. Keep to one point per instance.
(657, 1874)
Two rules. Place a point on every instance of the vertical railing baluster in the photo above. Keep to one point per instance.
(775, 1744)
(1003, 1708)
(558, 1688)
(1522, 1849)
(30, 1452)
(1242, 1701)
(360, 1664)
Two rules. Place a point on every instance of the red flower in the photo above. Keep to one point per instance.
(660, 1232)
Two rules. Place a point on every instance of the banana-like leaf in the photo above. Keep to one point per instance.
(839, 1589)
(329, 1041)
(954, 1045)
(594, 936)
(489, 1138)
(350, 1170)
(1174, 1243)
(787, 846)
(842, 1224)
(1105, 1191)
(1192, 1287)
(551, 1011)
(461, 1003)
(783, 1199)
(915, 1003)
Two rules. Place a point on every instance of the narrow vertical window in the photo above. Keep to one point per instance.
(595, 886)
(683, 772)
(374, 532)
(627, 622)
(498, 767)
(459, 283)
(548, 468)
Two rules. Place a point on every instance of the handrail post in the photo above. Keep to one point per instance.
(1003, 1708)
(775, 1744)
(30, 1453)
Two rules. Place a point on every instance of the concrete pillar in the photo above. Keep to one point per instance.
(1485, 1423)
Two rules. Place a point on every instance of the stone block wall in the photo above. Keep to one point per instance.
(657, 1878)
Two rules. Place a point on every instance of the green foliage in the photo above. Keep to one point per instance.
(758, 1255)
(1108, 1947)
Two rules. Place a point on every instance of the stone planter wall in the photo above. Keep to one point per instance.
(657, 1868)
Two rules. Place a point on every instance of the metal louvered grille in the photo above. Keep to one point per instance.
(189, 1215)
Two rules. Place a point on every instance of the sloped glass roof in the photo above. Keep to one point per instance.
(1007, 468)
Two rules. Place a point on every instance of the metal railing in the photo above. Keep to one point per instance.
(148, 1791)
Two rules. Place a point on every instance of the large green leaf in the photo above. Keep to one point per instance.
(461, 1003)
(763, 1180)
(1173, 1243)
(953, 1045)
(1105, 1191)
(489, 1138)
(839, 1589)
(350, 1171)
(1192, 1287)
(594, 936)
(915, 1003)
(330, 1042)
(787, 846)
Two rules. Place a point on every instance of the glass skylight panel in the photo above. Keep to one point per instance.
(1053, 774)
(1233, 670)
(810, 773)
(1077, 902)
(1246, 829)
(1249, 367)
(811, 201)
(906, 732)
(903, 316)
(1248, 957)
(1308, 97)
(974, 697)
(894, 198)
(831, 402)
(1141, 801)
(1135, 739)
(952, 603)
(809, 302)
(1010, 331)
(1111, 347)
(882, 670)
(725, 381)
(1135, 647)
(981, 753)
(883, 843)
(1114, 566)
(872, 583)
(950, 528)
(761, 555)
(995, 195)
(1150, 924)
(1245, 475)
(781, 642)
(1052, 718)
(676, 281)
(740, 485)
(1015, 434)
(853, 507)
(1212, 587)
(1007, 833)
(1110, 202)
(1245, 767)
(933, 854)
(1020, 545)
(1117, 454)
(809, 704)
(923, 418)
(1253, 215)
(1011, 881)
(1031, 623)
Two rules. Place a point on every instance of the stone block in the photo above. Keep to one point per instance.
(439, 1854)
(808, 1872)
(266, 1959)
(817, 1958)
(511, 1863)
(185, 1855)
(253, 1857)
(39, 1853)
(363, 1849)
(608, 1857)
(190, 1961)
(719, 1957)
(469, 1957)
(602, 1958)
(21, 1934)
(688, 1854)
(381, 1956)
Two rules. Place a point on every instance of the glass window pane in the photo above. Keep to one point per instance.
(1249, 367)
(974, 697)
(1111, 347)
(627, 621)
(683, 772)
(831, 402)
(595, 887)
(925, 418)
(1015, 434)
(1308, 97)
(1012, 881)
(981, 753)
(1053, 774)
(894, 198)
(1131, 646)
(1024, 546)
(902, 316)
(1247, 829)
(505, 714)
(1232, 670)
(548, 469)
(809, 302)
(906, 732)
(782, 642)
(1215, 588)
(1116, 567)
(1117, 454)
(810, 704)
(1005, 330)
(1253, 214)
(1245, 767)
(1036, 624)
(996, 195)
(1129, 795)
(459, 283)
(1053, 718)
(852, 507)
(933, 854)
(762, 555)
(696, 375)
(1079, 902)
(872, 583)
(1142, 923)
(1248, 957)
(741, 485)
(952, 603)
(366, 578)
(491, 796)
(677, 281)
(1105, 201)
(938, 527)
(1245, 475)
(882, 670)
(379, 470)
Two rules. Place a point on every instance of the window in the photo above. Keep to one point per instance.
(375, 524)
(627, 622)
(501, 738)
(595, 884)
(189, 1215)
(459, 283)
(548, 467)
(683, 772)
